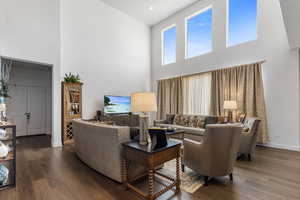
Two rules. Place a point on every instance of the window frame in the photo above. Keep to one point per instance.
(163, 45)
(227, 26)
(186, 31)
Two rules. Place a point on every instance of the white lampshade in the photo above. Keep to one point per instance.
(143, 102)
(230, 105)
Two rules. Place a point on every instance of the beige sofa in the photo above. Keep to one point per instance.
(100, 147)
(191, 124)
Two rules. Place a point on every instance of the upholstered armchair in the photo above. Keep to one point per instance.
(249, 136)
(216, 154)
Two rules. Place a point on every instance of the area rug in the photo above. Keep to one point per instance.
(190, 180)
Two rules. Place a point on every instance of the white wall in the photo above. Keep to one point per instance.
(110, 51)
(291, 16)
(280, 72)
(30, 31)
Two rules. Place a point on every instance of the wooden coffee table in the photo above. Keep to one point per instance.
(177, 133)
(151, 159)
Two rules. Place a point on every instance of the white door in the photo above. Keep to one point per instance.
(17, 108)
(37, 97)
(27, 108)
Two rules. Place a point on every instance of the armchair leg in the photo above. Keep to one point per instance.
(182, 168)
(205, 180)
(231, 177)
(249, 157)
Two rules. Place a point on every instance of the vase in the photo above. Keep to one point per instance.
(3, 150)
(3, 134)
(3, 101)
(4, 172)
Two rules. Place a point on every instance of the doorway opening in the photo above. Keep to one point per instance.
(30, 103)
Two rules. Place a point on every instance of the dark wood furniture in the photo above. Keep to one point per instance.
(177, 133)
(10, 161)
(151, 159)
(71, 108)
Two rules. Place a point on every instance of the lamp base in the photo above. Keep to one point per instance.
(144, 134)
(230, 118)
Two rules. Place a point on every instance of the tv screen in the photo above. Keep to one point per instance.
(116, 104)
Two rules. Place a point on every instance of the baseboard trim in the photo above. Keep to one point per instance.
(56, 144)
(280, 146)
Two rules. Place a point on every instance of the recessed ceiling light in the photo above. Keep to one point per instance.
(150, 8)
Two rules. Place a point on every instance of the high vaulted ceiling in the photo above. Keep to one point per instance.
(150, 12)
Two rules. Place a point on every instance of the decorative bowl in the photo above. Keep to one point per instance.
(4, 172)
(3, 150)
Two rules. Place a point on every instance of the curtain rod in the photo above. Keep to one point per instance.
(198, 73)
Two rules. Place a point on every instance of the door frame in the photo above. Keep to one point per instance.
(54, 121)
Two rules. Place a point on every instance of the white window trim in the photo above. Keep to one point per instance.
(163, 44)
(186, 31)
(227, 26)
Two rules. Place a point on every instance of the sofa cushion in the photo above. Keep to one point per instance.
(198, 121)
(211, 120)
(248, 124)
(179, 120)
(170, 118)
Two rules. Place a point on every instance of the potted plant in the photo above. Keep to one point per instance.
(72, 78)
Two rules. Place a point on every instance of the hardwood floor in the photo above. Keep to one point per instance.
(45, 173)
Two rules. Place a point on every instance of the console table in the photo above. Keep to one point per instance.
(151, 159)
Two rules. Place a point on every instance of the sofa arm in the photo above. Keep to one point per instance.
(157, 122)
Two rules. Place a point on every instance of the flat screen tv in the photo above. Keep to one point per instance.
(116, 104)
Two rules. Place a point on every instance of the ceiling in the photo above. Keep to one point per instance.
(140, 9)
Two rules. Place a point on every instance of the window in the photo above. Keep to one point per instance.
(197, 93)
(242, 20)
(169, 45)
(199, 33)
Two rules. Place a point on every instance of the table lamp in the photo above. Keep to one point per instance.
(144, 102)
(230, 106)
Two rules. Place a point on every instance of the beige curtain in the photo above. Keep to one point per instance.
(169, 97)
(243, 84)
(196, 93)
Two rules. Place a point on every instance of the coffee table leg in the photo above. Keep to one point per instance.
(178, 181)
(151, 183)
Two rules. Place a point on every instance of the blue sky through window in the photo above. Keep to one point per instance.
(199, 34)
(169, 45)
(242, 21)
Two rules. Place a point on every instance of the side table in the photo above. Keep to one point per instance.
(151, 159)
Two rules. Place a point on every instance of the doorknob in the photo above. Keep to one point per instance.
(27, 115)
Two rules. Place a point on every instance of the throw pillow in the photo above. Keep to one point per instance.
(177, 119)
(170, 118)
(194, 121)
(200, 123)
(245, 129)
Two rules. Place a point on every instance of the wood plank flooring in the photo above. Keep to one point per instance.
(45, 173)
